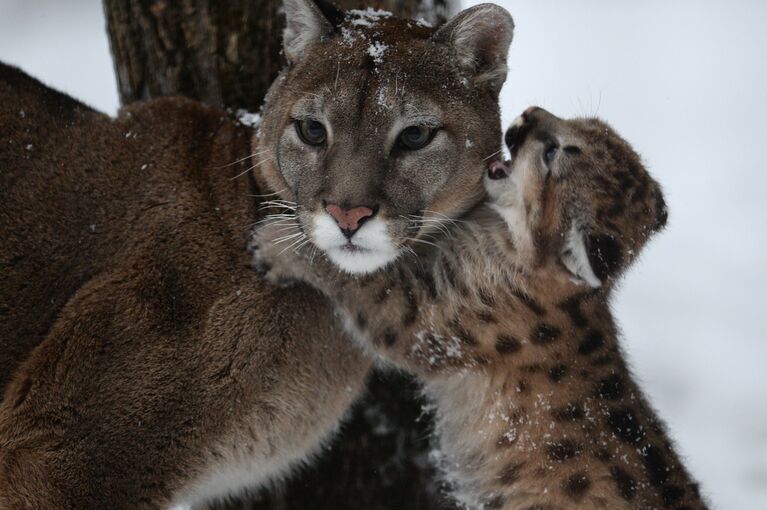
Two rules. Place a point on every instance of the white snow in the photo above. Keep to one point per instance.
(684, 82)
(366, 17)
(423, 23)
(376, 51)
(248, 118)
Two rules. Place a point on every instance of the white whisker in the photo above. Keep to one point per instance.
(252, 167)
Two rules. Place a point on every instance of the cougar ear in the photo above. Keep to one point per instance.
(575, 257)
(305, 24)
(481, 36)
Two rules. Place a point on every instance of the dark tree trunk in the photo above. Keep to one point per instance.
(226, 53)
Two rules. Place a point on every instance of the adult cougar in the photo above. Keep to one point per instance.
(143, 364)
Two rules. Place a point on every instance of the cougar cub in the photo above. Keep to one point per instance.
(505, 316)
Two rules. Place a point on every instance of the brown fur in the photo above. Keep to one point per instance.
(536, 407)
(139, 353)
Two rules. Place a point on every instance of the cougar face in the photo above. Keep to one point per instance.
(575, 192)
(381, 128)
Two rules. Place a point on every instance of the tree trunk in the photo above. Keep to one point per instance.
(226, 54)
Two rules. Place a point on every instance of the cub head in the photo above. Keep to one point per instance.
(380, 128)
(575, 194)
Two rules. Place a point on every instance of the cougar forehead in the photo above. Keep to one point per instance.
(368, 80)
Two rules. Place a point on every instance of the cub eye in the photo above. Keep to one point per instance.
(549, 154)
(415, 137)
(311, 132)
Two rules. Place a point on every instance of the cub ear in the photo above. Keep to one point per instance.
(481, 36)
(305, 24)
(592, 259)
(575, 257)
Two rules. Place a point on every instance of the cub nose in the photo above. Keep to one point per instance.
(529, 112)
(349, 220)
(521, 127)
(497, 170)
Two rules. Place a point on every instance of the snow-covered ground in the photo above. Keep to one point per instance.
(686, 82)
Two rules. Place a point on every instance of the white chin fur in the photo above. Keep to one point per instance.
(374, 248)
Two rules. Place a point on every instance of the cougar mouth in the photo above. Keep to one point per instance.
(369, 249)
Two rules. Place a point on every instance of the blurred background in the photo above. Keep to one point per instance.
(686, 83)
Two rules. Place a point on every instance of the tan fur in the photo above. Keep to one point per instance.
(536, 408)
(140, 356)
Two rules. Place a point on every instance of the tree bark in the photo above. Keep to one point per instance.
(226, 54)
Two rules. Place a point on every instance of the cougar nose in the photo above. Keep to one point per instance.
(349, 220)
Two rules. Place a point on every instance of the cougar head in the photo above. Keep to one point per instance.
(576, 194)
(379, 129)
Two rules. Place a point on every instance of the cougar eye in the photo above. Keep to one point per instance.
(550, 153)
(415, 137)
(311, 132)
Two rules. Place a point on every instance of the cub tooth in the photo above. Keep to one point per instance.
(518, 122)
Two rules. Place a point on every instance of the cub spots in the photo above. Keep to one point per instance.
(611, 388)
(655, 464)
(572, 307)
(426, 278)
(605, 255)
(627, 485)
(671, 494)
(486, 297)
(544, 334)
(603, 455)
(530, 303)
(462, 334)
(568, 412)
(389, 337)
(507, 344)
(486, 317)
(576, 485)
(495, 502)
(511, 473)
(411, 306)
(591, 342)
(362, 321)
(383, 293)
(557, 372)
(563, 450)
(624, 424)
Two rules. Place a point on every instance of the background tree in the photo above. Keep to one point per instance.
(226, 54)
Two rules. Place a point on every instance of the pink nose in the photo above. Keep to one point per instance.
(526, 114)
(498, 170)
(349, 220)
